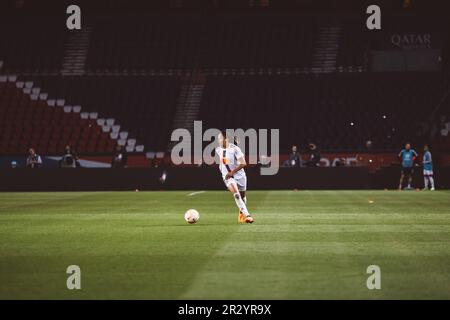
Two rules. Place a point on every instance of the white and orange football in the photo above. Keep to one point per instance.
(191, 216)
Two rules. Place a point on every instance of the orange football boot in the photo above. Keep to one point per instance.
(241, 217)
(248, 219)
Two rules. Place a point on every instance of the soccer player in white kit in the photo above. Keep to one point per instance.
(231, 165)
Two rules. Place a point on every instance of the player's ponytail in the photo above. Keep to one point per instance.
(231, 138)
(223, 132)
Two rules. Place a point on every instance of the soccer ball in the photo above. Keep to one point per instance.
(191, 216)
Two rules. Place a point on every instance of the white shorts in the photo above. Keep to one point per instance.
(427, 172)
(240, 182)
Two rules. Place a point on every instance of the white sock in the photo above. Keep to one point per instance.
(240, 204)
(431, 181)
(425, 182)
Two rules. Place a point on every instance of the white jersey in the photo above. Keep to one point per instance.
(229, 160)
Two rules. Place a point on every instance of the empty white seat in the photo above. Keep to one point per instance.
(76, 109)
(116, 128)
(43, 96)
(444, 132)
(131, 142)
(67, 109)
(101, 121)
(160, 155)
(150, 155)
(3, 78)
(51, 102)
(12, 78)
(114, 135)
(129, 148)
(123, 135)
(84, 115)
(60, 102)
(447, 126)
(20, 84)
(34, 97)
(36, 90)
(110, 121)
(29, 84)
(93, 115)
(106, 128)
(27, 90)
(121, 142)
(139, 148)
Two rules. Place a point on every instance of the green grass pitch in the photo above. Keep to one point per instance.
(303, 245)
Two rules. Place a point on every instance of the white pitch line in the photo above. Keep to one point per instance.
(194, 193)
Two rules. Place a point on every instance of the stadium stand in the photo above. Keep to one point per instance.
(338, 111)
(29, 119)
(353, 46)
(180, 42)
(32, 44)
(262, 70)
(268, 41)
(134, 44)
(139, 109)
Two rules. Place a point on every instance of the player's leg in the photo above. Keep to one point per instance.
(409, 179)
(242, 187)
(425, 181)
(430, 177)
(407, 175)
(241, 216)
(243, 196)
(402, 176)
(233, 188)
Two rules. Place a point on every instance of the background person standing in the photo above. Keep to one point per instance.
(407, 156)
(33, 160)
(427, 162)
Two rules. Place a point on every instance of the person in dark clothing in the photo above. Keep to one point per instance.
(295, 160)
(314, 156)
(69, 159)
(120, 158)
(33, 160)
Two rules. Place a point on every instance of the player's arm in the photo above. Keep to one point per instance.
(217, 158)
(242, 164)
(400, 156)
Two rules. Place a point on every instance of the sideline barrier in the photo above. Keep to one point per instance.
(206, 178)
